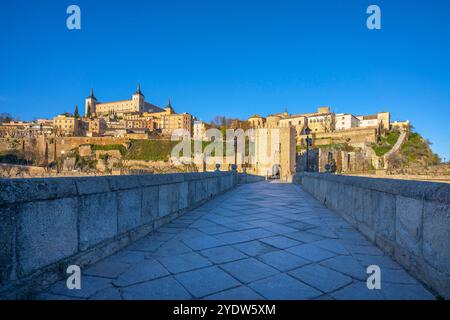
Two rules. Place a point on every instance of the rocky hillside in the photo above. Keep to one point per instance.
(414, 155)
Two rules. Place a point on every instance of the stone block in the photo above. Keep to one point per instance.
(97, 219)
(332, 195)
(6, 241)
(386, 215)
(203, 189)
(166, 288)
(357, 203)
(185, 262)
(248, 270)
(347, 265)
(46, 233)
(85, 150)
(129, 209)
(409, 224)
(282, 260)
(322, 278)
(150, 204)
(370, 212)
(212, 186)
(239, 293)
(143, 271)
(90, 185)
(341, 200)
(206, 281)
(123, 182)
(159, 179)
(183, 200)
(192, 194)
(311, 252)
(24, 190)
(436, 235)
(284, 287)
(168, 199)
(223, 254)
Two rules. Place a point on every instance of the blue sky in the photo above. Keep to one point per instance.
(232, 57)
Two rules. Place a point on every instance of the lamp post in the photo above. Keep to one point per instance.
(307, 131)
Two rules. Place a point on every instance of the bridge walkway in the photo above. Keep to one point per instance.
(259, 241)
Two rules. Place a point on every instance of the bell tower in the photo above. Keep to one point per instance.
(90, 104)
(138, 99)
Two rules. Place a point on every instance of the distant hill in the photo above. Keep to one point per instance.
(414, 153)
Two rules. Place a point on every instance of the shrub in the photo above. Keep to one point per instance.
(108, 147)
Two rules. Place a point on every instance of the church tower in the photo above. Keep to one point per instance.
(138, 99)
(90, 103)
(169, 109)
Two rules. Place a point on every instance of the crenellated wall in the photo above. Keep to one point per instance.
(48, 224)
(409, 220)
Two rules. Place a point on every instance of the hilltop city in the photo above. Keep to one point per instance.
(133, 135)
(138, 118)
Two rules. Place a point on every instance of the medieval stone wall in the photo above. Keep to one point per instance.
(48, 224)
(409, 220)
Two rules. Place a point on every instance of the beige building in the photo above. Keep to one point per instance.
(239, 124)
(148, 124)
(273, 121)
(164, 120)
(256, 121)
(384, 120)
(274, 152)
(136, 104)
(299, 122)
(171, 122)
(368, 121)
(380, 120)
(66, 125)
(346, 121)
(95, 127)
(199, 130)
(321, 122)
(401, 125)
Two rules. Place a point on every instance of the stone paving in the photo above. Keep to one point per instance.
(258, 241)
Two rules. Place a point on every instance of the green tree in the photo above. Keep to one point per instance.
(5, 118)
(88, 114)
(75, 113)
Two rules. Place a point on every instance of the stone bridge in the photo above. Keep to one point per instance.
(156, 237)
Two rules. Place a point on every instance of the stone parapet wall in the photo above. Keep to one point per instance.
(409, 220)
(48, 224)
(351, 136)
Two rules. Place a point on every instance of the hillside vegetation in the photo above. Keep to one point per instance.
(415, 152)
(386, 143)
(154, 150)
(160, 150)
(108, 147)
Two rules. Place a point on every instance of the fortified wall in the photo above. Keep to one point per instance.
(408, 220)
(48, 224)
(42, 150)
(355, 137)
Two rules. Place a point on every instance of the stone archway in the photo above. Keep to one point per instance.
(276, 171)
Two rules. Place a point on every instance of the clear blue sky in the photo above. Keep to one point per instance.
(232, 57)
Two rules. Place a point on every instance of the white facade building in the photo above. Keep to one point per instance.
(199, 130)
(345, 121)
(368, 121)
